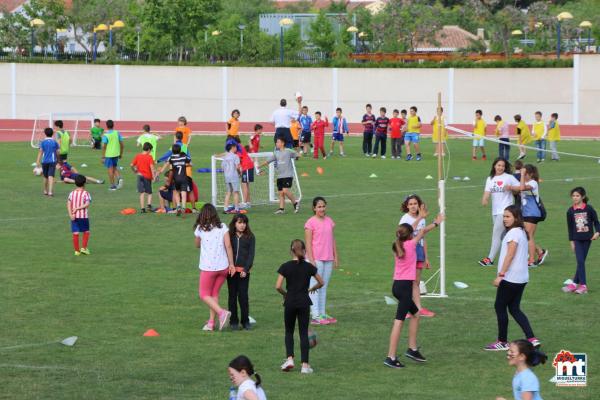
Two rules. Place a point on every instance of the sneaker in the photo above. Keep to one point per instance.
(435, 154)
(342, 154)
(77, 253)
(120, 183)
(195, 211)
(247, 326)
(209, 326)
(373, 155)
(486, 262)
(319, 321)
(296, 207)
(582, 289)
(497, 346)
(570, 288)
(419, 158)
(539, 160)
(408, 157)
(143, 210)
(388, 362)
(393, 157)
(234, 327)
(306, 370)
(330, 319)
(112, 187)
(423, 312)
(521, 156)
(474, 158)
(324, 158)
(542, 257)
(287, 365)
(279, 211)
(367, 155)
(383, 157)
(415, 355)
(85, 251)
(101, 182)
(535, 342)
(532, 264)
(484, 157)
(223, 319)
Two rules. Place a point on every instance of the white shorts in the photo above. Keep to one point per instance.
(478, 142)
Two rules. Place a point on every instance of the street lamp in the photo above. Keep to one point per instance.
(241, 27)
(138, 30)
(206, 33)
(34, 23)
(99, 28)
(352, 29)
(116, 25)
(282, 23)
(362, 36)
(588, 25)
(559, 18)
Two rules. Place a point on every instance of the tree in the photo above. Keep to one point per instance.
(321, 34)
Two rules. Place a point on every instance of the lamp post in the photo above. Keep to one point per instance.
(282, 23)
(99, 28)
(516, 32)
(116, 25)
(559, 18)
(34, 23)
(588, 25)
(241, 27)
(138, 30)
(352, 29)
(362, 36)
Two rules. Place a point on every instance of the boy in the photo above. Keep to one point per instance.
(166, 194)
(295, 128)
(179, 162)
(48, 155)
(112, 151)
(247, 168)
(284, 165)
(340, 126)
(306, 123)
(178, 140)
(381, 129)
(524, 136)
(479, 126)
(413, 133)
(554, 135)
(318, 128)
(96, 135)
(231, 168)
(502, 135)
(69, 173)
(233, 125)
(64, 140)
(368, 122)
(185, 131)
(255, 139)
(540, 131)
(78, 203)
(396, 125)
(143, 166)
(147, 137)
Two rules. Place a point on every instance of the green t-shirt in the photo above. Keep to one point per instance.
(96, 132)
(112, 140)
(149, 138)
(65, 138)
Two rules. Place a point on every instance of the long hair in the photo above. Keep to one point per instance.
(208, 218)
(533, 172)
(316, 201)
(581, 191)
(533, 356)
(298, 248)
(403, 233)
(233, 230)
(518, 216)
(507, 167)
(408, 198)
(243, 363)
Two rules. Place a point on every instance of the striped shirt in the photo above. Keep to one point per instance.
(78, 198)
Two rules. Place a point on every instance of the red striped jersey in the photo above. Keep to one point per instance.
(78, 198)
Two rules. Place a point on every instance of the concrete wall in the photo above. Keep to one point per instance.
(160, 93)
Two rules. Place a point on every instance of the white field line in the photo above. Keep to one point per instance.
(39, 367)
(22, 346)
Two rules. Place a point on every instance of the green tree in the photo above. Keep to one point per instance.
(321, 34)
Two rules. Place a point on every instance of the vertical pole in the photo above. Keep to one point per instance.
(213, 180)
(94, 47)
(575, 88)
(450, 110)
(334, 89)
(117, 92)
(441, 197)
(558, 40)
(137, 56)
(224, 91)
(110, 37)
(281, 45)
(13, 90)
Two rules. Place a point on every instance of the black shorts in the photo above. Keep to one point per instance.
(182, 185)
(296, 143)
(48, 169)
(305, 137)
(532, 220)
(63, 157)
(96, 143)
(402, 291)
(144, 185)
(248, 176)
(284, 183)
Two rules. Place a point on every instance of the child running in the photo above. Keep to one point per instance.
(306, 123)
(318, 127)
(582, 220)
(405, 270)
(216, 262)
(143, 166)
(46, 159)
(523, 356)
(479, 130)
(297, 274)
(531, 207)
(553, 135)
(242, 247)
(284, 165)
(413, 133)
(513, 275)
(503, 136)
(78, 202)
(524, 136)
(241, 372)
(321, 251)
(381, 129)
(540, 131)
(340, 127)
(368, 123)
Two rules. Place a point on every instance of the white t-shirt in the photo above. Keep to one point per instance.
(282, 117)
(408, 219)
(501, 198)
(213, 255)
(250, 385)
(518, 271)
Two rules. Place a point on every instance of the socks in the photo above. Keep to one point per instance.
(86, 237)
(76, 241)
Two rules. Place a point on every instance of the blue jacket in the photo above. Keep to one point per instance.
(306, 122)
(169, 152)
(336, 123)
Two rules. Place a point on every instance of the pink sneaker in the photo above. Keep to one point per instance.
(330, 319)
(319, 321)
(209, 326)
(582, 289)
(223, 319)
(571, 287)
(423, 312)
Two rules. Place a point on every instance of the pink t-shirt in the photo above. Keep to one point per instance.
(322, 237)
(405, 268)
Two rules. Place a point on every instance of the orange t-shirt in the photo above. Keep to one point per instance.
(144, 163)
(233, 127)
(187, 132)
(294, 129)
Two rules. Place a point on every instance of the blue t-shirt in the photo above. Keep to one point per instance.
(526, 381)
(49, 147)
(306, 122)
(340, 125)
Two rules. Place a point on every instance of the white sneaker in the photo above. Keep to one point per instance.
(383, 157)
(288, 365)
(368, 155)
(306, 370)
(120, 184)
(393, 157)
(279, 211)
(373, 155)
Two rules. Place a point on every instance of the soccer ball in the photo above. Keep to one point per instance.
(37, 171)
(312, 339)
(298, 96)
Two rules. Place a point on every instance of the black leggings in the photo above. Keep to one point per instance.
(290, 314)
(402, 291)
(238, 290)
(508, 296)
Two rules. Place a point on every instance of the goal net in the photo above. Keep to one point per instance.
(264, 188)
(77, 124)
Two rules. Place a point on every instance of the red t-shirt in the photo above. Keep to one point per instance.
(245, 160)
(255, 143)
(144, 162)
(319, 127)
(396, 127)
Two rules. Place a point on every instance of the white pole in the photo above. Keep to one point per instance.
(442, 190)
(224, 99)
(576, 64)
(213, 179)
(450, 112)
(13, 93)
(117, 92)
(334, 89)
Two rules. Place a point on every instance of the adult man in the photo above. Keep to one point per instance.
(281, 118)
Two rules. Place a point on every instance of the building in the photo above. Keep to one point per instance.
(269, 23)
(451, 38)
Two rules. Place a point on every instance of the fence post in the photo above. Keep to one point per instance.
(117, 92)
(576, 70)
(224, 99)
(450, 113)
(334, 89)
(13, 90)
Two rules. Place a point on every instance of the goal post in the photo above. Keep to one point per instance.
(78, 124)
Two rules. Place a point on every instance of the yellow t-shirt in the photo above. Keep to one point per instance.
(479, 128)
(234, 127)
(554, 133)
(435, 135)
(525, 136)
(538, 129)
(413, 124)
(294, 129)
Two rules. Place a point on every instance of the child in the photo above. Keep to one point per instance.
(540, 130)
(513, 275)
(306, 123)
(415, 213)
(284, 165)
(216, 262)
(502, 134)
(241, 371)
(582, 220)
(479, 127)
(396, 125)
(297, 274)
(112, 151)
(321, 251)
(405, 255)
(69, 173)
(381, 129)
(340, 126)
(524, 136)
(143, 166)
(295, 128)
(64, 140)
(522, 355)
(247, 168)
(368, 122)
(147, 137)
(233, 125)
(532, 211)
(179, 162)
(231, 170)
(96, 135)
(255, 139)
(435, 135)
(499, 187)
(554, 135)
(182, 145)
(48, 155)
(166, 194)
(517, 167)
(78, 203)
(318, 127)
(413, 131)
(242, 245)
(185, 131)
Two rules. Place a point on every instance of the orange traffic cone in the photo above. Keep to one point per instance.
(151, 333)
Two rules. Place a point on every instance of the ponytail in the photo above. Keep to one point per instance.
(243, 363)
(298, 249)
(258, 379)
(532, 355)
(403, 233)
(582, 193)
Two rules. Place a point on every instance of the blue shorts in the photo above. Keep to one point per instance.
(248, 176)
(305, 137)
(411, 137)
(49, 169)
(80, 225)
(167, 195)
(420, 252)
(337, 137)
(111, 162)
(478, 142)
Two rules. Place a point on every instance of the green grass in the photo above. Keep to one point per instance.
(143, 274)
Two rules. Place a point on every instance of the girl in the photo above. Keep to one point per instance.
(513, 275)
(498, 186)
(582, 220)
(405, 272)
(216, 260)
(413, 206)
(503, 136)
(242, 245)
(233, 124)
(523, 356)
(297, 274)
(435, 136)
(240, 372)
(523, 135)
(321, 251)
(532, 212)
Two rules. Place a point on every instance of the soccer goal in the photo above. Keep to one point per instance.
(77, 124)
(262, 191)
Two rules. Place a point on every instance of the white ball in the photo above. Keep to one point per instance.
(37, 171)
(298, 95)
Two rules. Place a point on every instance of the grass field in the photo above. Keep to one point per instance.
(143, 273)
